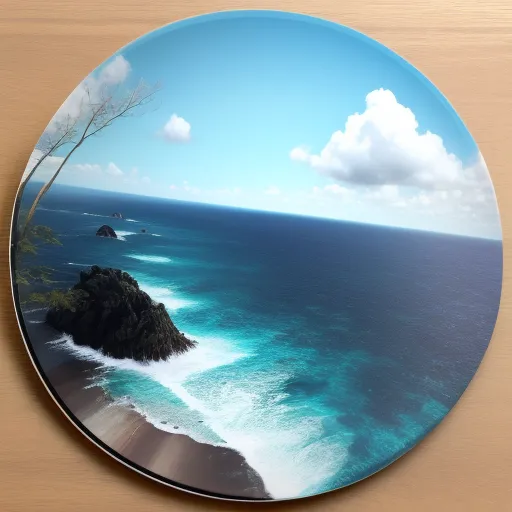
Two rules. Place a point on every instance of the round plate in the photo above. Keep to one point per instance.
(256, 256)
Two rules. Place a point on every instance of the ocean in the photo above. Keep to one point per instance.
(326, 349)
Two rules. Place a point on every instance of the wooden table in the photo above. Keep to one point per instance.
(46, 48)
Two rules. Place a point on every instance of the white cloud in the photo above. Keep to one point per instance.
(145, 180)
(115, 72)
(388, 193)
(51, 163)
(176, 129)
(439, 203)
(382, 146)
(273, 191)
(113, 170)
(46, 168)
(391, 172)
(89, 91)
(300, 154)
(91, 168)
(467, 211)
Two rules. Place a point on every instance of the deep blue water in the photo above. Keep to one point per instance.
(326, 349)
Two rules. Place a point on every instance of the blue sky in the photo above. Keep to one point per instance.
(252, 88)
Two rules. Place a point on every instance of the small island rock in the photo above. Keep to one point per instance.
(117, 215)
(106, 231)
(111, 314)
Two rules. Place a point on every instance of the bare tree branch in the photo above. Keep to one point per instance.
(109, 111)
(49, 144)
(101, 115)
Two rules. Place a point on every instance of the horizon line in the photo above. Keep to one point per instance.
(290, 214)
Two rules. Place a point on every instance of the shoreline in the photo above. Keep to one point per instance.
(175, 457)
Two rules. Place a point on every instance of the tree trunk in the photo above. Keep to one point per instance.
(34, 169)
(45, 189)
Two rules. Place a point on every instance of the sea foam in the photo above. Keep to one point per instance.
(54, 210)
(226, 394)
(149, 258)
(121, 235)
(33, 310)
(165, 295)
(247, 414)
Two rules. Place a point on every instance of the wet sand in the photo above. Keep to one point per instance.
(176, 457)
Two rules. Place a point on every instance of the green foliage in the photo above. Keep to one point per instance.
(34, 235)
(29, 275)
(30, 237)
(25, 246)
(62, 299)
(44, 234)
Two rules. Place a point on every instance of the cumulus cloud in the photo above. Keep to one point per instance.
(453, 202)
(383, 146)
(433, 202)
(50, 165)
(471, 210)
(89, 91)
(113, 170)
(381, 162)
(389, 193)
(115, 72)
(176, 129)
(300, 155)
(272, 191)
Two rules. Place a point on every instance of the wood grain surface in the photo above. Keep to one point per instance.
(47, 47)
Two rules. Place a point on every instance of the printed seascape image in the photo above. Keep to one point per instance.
(256, 256)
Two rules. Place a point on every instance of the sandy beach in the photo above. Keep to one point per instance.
(175, 457)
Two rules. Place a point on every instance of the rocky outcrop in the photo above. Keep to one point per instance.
(111, 314)
(143, 230)
(106, 231)
(117, 215)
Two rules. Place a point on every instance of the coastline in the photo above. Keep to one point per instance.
(175, 457)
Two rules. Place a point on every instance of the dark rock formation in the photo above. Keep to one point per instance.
(113, 315)
(106, 231)
(143, 230)
(117, 215)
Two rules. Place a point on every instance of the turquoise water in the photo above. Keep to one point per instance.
(325, 349)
